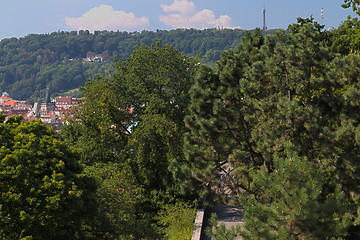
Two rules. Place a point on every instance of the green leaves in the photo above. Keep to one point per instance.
(152, 81)
(178, 221)
(40, 184)
(156, 80)
(133, 121)
(156, 143)
(353, 4)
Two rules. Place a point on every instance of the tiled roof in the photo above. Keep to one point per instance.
(11, 102)
(16, 112)
(67, 100)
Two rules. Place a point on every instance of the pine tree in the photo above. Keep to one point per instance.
(288, 89)
(293, 204)
(219, 128)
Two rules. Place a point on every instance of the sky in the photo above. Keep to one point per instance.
(19, 18)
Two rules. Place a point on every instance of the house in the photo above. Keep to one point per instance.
(17, 112)
(22, 105)
(5, 98)
(11, 103)
(48, 118)
(5, 109)
(65, 102)
(93, 57)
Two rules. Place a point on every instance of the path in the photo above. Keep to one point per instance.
(230, 216)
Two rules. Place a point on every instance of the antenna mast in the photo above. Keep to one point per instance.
(264, 25)
(322, 16)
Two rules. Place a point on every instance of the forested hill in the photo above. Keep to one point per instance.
(30, 64)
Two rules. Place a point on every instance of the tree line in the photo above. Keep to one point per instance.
(30, 64)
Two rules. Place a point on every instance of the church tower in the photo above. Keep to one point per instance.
(47, 106)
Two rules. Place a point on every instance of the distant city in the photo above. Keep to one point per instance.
(53, 112)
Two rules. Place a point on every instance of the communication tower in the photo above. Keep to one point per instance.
(264, 25)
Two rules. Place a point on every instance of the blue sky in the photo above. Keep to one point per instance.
(22, 17)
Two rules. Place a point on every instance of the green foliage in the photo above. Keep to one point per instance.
(153, 81)
(346, 38)
(132, 123)
(296, 201)
(157, 146)
(100, 130)
(122, 210)
(156, 80)
(220, 232)
(178, 221)
(353, 4)
(43, 192)
(288, 89)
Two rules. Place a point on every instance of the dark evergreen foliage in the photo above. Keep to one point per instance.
(279, 119)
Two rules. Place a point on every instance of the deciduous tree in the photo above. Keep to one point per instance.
(44, 194)
(135, 118)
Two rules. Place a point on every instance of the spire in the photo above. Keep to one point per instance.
(47, 97)
(264, 25)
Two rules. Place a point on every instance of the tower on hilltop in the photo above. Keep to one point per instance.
(264, 25)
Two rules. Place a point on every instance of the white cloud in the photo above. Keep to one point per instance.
(185, 16)
(105, 17)
(182, 6)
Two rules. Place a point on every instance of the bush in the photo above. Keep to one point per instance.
(177, 221)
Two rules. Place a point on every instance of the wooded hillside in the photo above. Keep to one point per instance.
(28, 65)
